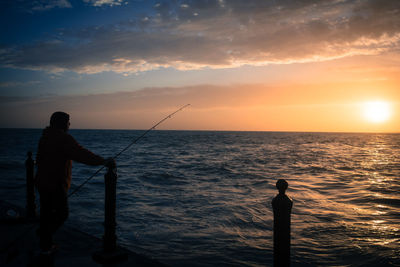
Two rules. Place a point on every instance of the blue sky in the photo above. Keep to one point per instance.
(30, 22)
(56, 48)
(26, 24)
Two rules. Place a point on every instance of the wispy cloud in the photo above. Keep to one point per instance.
(11, 84)
(104, 2)
(219, 34)
(42, 5)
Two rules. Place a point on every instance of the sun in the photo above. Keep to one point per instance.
(376, 111)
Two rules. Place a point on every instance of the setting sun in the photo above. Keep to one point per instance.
(377, 111)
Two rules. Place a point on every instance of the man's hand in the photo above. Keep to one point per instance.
(110, 163)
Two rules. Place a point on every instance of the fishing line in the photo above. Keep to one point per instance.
(127, 147)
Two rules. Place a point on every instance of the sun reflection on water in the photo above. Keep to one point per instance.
(361, 205)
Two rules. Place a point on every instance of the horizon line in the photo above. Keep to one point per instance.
(206, 130)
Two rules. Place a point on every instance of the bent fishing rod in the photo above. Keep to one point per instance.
(14, 242)
(127, 147)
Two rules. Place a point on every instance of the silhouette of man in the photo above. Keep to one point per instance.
(282, 207)
(56, 150)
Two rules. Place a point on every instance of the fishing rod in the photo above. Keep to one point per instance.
(12, 244)
(128, 146)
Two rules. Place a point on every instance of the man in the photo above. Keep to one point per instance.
(56, 151)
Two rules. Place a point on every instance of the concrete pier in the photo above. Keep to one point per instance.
(19, 244)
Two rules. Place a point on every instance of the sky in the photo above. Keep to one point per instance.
(254, 65)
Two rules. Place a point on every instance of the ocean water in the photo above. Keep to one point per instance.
(199, 198)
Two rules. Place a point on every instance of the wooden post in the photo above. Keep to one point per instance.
(30, 187)
(282, 207)
(110, 253)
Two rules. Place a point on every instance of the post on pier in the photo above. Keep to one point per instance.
(30, 187)
(110, 252)
(282, 207)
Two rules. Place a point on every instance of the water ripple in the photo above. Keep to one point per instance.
(193, 198)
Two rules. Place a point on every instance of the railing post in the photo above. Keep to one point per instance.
(110, 252)
(110, 239)
(30, 187)
(282, 207)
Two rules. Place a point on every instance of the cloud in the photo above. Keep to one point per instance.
(10, 84)
(43, 5)
(219, 34)
(234, 107)
(136, 109)
(104, 2)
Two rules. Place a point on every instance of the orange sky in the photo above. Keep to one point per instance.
(243, 65)
(319, 106)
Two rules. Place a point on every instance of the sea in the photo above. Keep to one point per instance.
(203, 198)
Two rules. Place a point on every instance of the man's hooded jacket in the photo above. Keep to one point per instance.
(56, 151)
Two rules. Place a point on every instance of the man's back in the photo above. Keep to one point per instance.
(55, 152)
(54, 167)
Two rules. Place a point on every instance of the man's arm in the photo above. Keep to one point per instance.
(80, 154)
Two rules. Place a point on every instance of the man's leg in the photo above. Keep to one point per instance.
(53, 213)
(60, 210)
(45, 232)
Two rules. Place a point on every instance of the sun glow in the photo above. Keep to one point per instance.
(377, 111)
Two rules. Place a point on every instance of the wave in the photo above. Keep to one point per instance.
(207, 195)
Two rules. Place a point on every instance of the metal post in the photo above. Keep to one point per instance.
(110, 252)
(282, 207)
(30, 187)
(110, 239)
